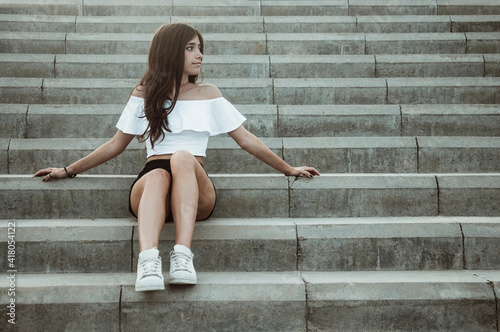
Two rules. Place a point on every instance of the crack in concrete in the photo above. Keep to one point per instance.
(438, 198)
(418, 155)
(132, 251)
(120, 309)
(492, 285)
(307, 311)
(464, 261)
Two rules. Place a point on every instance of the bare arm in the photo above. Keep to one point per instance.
(253, 145)
(105, 152)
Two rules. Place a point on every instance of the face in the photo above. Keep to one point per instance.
(192, 57)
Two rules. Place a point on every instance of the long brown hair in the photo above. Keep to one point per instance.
(163, 76)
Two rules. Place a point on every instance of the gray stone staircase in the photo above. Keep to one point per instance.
(397, 103)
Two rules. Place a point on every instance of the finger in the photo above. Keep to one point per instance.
(42, 172)
(312, 170)
(306, 173)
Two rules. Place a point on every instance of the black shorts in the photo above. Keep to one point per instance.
(163, 164)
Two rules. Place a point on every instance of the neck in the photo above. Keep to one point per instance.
(185, 80)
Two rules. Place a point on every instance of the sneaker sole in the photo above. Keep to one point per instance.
(182, 281)
(149, 288)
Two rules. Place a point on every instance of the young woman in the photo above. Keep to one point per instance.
(174, 115)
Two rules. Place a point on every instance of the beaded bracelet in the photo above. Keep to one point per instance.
(69, 175)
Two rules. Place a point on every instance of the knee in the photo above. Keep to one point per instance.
(182, 159)
(158, 176)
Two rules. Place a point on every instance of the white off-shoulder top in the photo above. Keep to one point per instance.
(191, 123)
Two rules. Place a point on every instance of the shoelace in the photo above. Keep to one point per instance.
(150, 267)
(180, 261)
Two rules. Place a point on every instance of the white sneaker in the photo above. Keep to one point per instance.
(149, 276)
(181, 266)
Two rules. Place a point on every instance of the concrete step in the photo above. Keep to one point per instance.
(386, 91)
(94, 121)
(276, 244)
(423, 7)
(388, 120)
(249, 8)
(327, 154)
(253, 24)
(256, 66)
(259, 43)
(267, 195)
(317, 91)
(262, 301)
(129, 7)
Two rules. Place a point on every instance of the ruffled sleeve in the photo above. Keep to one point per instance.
(132, 120)
(215, 116)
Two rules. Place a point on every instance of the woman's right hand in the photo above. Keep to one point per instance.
(51, 173)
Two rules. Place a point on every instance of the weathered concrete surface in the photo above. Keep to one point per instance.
(29, 42)
(469, 194)
(298, 8)
(353, 154)
(339, 120)
(464, 7)
(482, 243)
(13, 124)
(310, 24)
(378, 7)
(450, 120)
(364, 195)
(402, 23)
(222, 302)
(27, 65)
(71, 245)
(59, 151)
(4, 153)
(326, 91)
(20, 90)
(395, 301)
(415, 43)
(475, 23)
(481, 42)
(90, 299)
(458, 154)
(246, 244)
(430, 65)
(375, 244)
(443, 90)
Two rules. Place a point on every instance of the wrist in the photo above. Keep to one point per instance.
(68, 173)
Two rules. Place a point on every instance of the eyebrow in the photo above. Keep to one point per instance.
(192, 44)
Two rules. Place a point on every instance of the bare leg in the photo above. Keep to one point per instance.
(193, 195)
(150, 202)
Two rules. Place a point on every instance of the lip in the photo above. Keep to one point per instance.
(197, 63)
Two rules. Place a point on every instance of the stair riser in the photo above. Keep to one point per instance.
(248, 24)
(354, 159)
(101, 121)
(267, 91)
(359, 67)
(466, 303)
(403, 315)
(281, 8)
(260, 44)
(268, 196)
(268, 120)
(330, 247)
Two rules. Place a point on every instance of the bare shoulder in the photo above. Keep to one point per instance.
(139, 92)
(209, 91)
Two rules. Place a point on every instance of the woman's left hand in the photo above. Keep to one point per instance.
(303, 171)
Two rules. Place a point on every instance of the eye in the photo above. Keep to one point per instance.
(189, 48)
